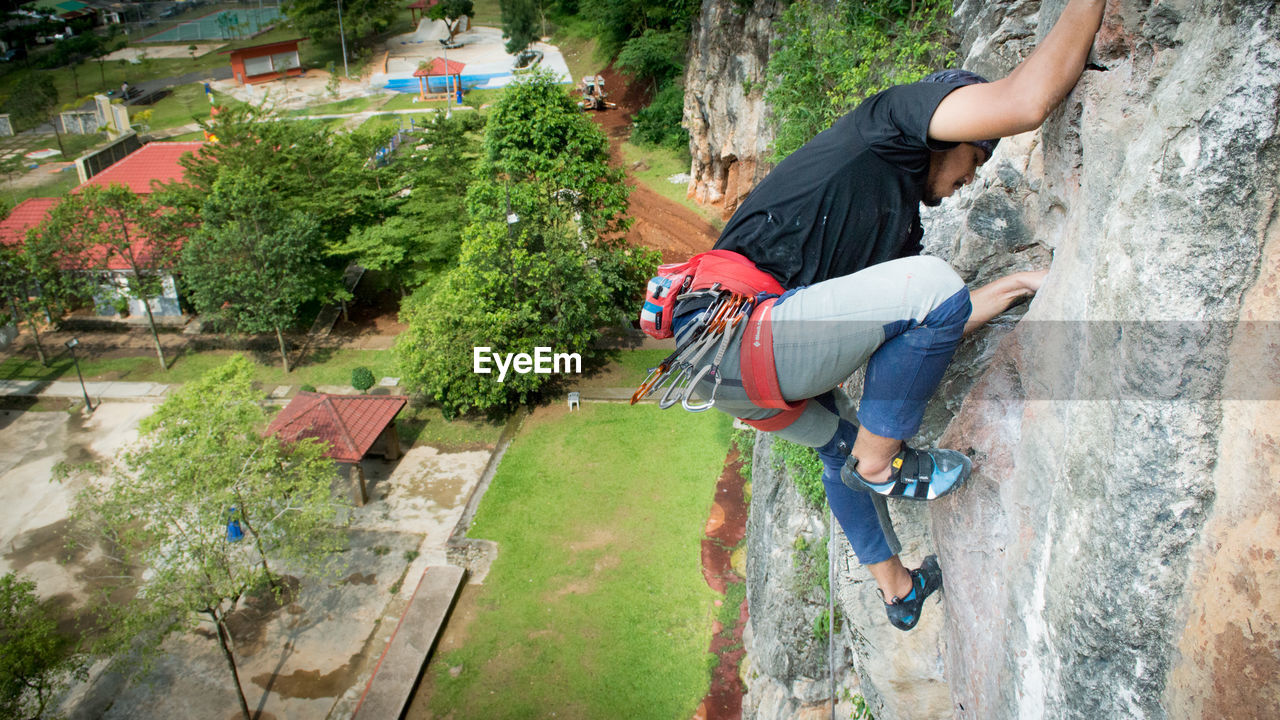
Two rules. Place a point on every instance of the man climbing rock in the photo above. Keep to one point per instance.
(818, 273)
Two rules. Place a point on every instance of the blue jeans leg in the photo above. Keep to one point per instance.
(904, 371)
(854, 510)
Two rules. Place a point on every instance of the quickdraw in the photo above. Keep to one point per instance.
(716, 326)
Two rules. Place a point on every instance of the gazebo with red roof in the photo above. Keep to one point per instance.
(421, 6)
(353, 425)
(450, 70)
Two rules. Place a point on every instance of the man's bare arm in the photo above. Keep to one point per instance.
(996, 296)
(1022, 101)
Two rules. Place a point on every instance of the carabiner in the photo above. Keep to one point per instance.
(692, 383)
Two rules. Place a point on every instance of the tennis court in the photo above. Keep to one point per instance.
(222, 25)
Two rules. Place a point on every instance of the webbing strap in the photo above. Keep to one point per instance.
(760, 375)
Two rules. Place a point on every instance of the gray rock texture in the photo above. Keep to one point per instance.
(729, 128)
(1114, 554)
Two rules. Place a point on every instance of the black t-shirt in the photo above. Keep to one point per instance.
(850, 198)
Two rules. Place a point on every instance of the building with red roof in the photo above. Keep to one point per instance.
(156, 162)
(139, 171)
(269, 61)
(28, 214)
(353, 426)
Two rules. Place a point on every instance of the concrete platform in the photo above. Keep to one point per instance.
(397, 672)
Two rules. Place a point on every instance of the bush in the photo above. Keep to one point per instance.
(362, 378)
(659, 122)
(308, 388)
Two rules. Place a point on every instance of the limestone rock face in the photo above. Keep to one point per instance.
(729, 129)
(786, 670)
(1114, 554)
(1096, 564)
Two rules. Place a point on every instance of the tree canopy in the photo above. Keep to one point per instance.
(361, 19)
(542, 262)
(252, 263)
(828, 59)
(451, 12)
(520, 24)
(201, 463)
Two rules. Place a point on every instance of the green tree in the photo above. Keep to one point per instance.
(303, 166)
(656, 57)
(252, 263)
(452, 12)
(512, 294)
(33, 101)
(32, 654)
(549, 158)
(165, 506)
(542, 261)
(830, 57)
(115, 226)
(361, 19)
(418, 233)
(46, 276)
(519, 24)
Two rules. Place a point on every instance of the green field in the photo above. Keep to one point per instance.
(596, 606)
(320, 367)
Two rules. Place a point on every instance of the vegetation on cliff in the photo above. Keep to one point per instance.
(827, 59)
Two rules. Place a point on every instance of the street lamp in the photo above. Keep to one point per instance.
(343, 34)
(71, 345)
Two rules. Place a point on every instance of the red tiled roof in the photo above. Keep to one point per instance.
(157, 161)
(264, 49)
(28, 214)
(33, 211)
(437, 68)
(349, 423)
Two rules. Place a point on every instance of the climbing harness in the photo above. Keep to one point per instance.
(715, 327)
(737, 299)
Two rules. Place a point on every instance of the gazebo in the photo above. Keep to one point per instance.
(353, 425)
(450, 70)
(421, 6)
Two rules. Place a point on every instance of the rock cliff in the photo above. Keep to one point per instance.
(724, 108)
(1114, 554)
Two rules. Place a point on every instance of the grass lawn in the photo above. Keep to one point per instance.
(320, 367)
(350, 105)
(664, 163)
(425, 425)
(596, 606)
(185, 105)
(56, 184)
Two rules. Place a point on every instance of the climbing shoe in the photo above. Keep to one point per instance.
(904, 613)
(914, 474)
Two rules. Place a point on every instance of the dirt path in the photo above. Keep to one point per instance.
(726, 529)
(672, 229)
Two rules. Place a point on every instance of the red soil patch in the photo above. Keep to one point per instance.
(726, 527)
(672, 229)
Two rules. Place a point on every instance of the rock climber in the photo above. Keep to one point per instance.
(836, 227)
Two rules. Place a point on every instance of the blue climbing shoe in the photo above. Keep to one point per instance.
(904, 613)
(914, 474)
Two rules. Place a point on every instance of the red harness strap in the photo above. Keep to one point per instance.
(759, 374)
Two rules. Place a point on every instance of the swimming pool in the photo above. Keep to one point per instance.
(221, 25)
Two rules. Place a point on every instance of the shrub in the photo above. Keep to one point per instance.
(362, 378)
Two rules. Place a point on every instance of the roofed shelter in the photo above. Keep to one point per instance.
(261, 63)
(450, 70)
(353, 425)
(421, 6)
(152, 163)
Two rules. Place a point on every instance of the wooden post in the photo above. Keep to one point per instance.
(364, 492)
